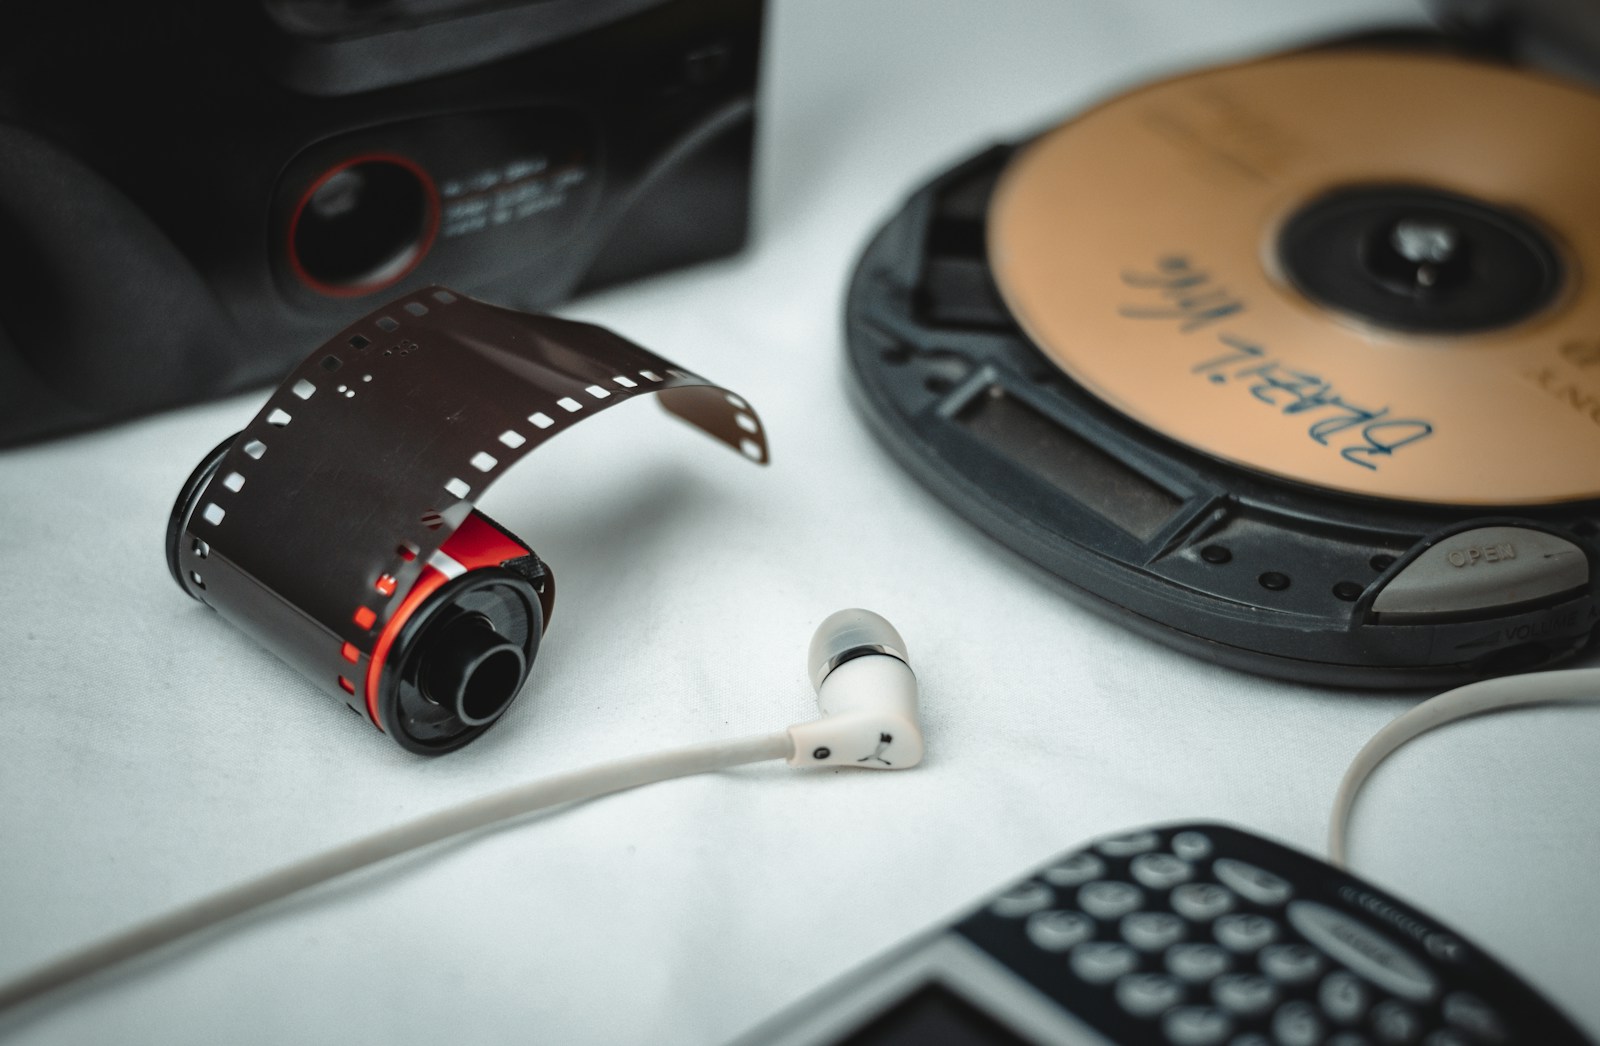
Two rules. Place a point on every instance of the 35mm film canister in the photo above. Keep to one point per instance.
(338, 528)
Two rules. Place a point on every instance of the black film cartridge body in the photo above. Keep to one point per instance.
(338, 528)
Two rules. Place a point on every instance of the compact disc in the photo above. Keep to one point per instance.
(1365, 271)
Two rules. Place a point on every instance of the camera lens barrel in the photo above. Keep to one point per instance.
(363, 225)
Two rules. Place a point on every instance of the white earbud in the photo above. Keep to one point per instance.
(867, 694)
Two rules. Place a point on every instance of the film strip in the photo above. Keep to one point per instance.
(356, 481)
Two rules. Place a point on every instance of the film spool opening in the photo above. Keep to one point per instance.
(460, 660)
(471, 669)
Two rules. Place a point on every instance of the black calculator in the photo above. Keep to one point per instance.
(1187, 935)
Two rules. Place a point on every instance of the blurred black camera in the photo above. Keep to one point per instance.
(194, 191)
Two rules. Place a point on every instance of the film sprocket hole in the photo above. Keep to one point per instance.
(338, 528)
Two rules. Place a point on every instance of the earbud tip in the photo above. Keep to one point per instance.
(851, 633)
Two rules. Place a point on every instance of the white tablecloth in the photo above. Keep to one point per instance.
(152, 753)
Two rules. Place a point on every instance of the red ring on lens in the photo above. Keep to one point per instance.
(412, 254)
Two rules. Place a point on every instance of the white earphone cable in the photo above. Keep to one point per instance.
(1474, 699)
(478, 813)
(1490, 695)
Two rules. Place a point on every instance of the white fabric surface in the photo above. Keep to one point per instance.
(153, 753)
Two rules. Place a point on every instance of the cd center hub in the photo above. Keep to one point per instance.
(1419, 259)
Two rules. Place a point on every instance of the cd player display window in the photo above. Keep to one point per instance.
(1069, 463)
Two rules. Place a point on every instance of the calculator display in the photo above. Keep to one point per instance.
(934, 1015)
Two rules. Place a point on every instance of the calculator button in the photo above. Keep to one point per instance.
(1128, 845)
(1245, 932)
(1191, 846)
(1291, 963)
(1201, 901)
(1195, 1026)
(1075, 870)
(1396, 1023)
(1152, 931)
(1197, 963)
(1101, 962)
(1364, 950)
(1107, 899)
(1473, 1016)
(1443, 946)
(1023, 899)
(1250, 1039)
(1148, 994)
(1247, 994)
(1252, 883)
(1297, 1024)
(1058, 931)
(1343, 997)
(1160, 871)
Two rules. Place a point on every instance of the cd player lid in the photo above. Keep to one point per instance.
(1559, 36)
